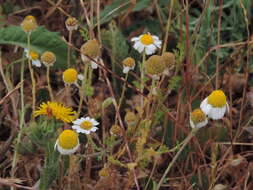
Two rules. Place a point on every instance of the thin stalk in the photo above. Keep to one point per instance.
(142, 76)
(22, 114)
(123, 91)
(32, 74)
(185, 142)
(218, 50)
(69, 49)
(81, 90)
(168, 26)
(48, 84)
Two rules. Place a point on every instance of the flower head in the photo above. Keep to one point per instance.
(215, 105)
(29, 24)
(198, 119)
(89, 50)
(116, 130)
(57, 110)
(168, 58)
(85, 125)
(67, 142)
(70, 76)
(147, 43)
(48, 58)
(71, 23)
(130, 118)
(34, 57)
(128, 64)
(155, 65)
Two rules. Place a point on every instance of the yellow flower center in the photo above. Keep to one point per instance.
(217, 98)
(34, 55)
(68, 139)
(129, 62)
(30, 17)
(48, 58)
(70, 75)
(198, 116)
(86, 125)
(147, 39)
(71, 21)
(29, 23)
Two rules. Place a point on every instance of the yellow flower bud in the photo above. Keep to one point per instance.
(71, 23)
(29, 24)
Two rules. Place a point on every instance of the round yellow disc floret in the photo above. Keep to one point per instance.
(71, 23)
(168, 58)
(116, 130)
(217, 98)
(70, 75)
(198, 116)
(91, 48)
(86, 125)
(146, 39)
(129, 62)
(33, 55)
(48, 58)
(155, 65)
(29, 23)
(68, 139)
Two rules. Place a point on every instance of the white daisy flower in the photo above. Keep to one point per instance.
(215, 105)
(67, 142)
(34, 57)
(198, 119)
(85, 125)
(147, 43)
(128, 64)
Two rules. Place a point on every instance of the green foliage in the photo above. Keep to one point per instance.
(114, 39)
(50, 169)
(119, 7)
(42, 131)
(41, 40)
(107, 102)
(175, 82)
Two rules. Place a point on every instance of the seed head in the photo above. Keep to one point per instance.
(48, 58)
(155, 65)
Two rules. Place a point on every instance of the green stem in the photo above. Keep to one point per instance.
(81, 90)
(69, 50)
(48, 84)
(185, 142)
(32, 74)
(142, 76)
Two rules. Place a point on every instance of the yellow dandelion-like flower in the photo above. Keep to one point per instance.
(215, 105)
(57, 110)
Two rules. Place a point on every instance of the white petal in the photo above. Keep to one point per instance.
(67, 151)
(80, 77)
(205, 107)
(155, 37)
(217, 113)
(150, 49)
(135, 39)
(94, 65)
(93, 129)
(36, 63)
(139, 47)
(126, 69)
(84, 58)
